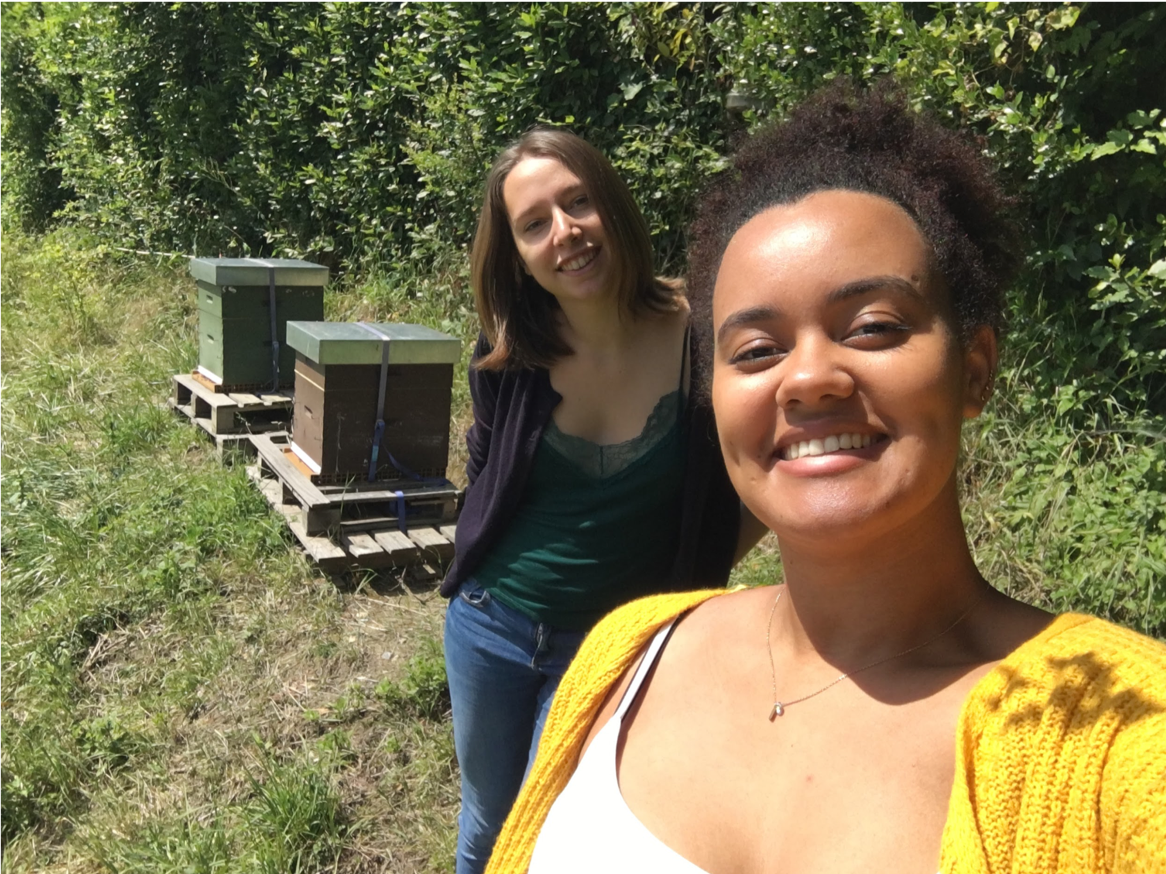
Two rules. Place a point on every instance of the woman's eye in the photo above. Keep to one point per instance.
(879, 331)
(754, 355)
(532, 226)
(580, 201)
(875, 328)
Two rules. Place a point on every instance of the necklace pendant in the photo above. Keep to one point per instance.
(778, 710)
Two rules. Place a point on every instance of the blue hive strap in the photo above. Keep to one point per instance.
(274, 327)
(416, 477)
(379, 433)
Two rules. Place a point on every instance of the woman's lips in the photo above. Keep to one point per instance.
(825, 445)
(579, 261)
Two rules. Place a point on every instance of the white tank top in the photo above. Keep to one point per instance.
(589, 827)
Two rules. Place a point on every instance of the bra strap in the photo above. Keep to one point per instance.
(649, 659)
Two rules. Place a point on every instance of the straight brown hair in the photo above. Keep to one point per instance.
(516, 313)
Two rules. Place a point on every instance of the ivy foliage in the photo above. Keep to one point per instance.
(32, 185)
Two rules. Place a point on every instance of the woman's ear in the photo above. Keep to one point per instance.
(981, 357)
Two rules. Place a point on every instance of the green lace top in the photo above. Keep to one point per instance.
(597, 526)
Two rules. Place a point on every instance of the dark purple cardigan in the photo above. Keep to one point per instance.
(511, 409)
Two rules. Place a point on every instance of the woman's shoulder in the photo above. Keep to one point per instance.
(1082, 695)
(618, 639)
(638, 620)
(1071, 723)
(611, 648)
(604, 664)
(498, 374)
(1073, 661)
(1083, 639)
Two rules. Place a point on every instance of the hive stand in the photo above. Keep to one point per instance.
(356, 525)
(231, 418)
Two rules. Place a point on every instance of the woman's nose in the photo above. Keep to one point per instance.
(564, 227)
(813, 373)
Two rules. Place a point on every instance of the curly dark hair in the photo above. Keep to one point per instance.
(868, 140)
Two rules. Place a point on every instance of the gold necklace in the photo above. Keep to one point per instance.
(780, 706)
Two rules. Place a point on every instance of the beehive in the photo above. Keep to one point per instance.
(235, 323)
(337, 379)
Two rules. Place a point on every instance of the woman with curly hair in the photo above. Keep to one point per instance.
(593, 480)
(885, 709)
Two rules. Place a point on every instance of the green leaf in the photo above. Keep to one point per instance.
(630, 91)
(1064, 17)
(1139, 119)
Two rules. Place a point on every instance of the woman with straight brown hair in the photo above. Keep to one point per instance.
(592, 479)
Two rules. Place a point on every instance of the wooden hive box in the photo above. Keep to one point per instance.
(235, 322)
(338, 377)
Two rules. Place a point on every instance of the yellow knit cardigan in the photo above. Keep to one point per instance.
(1060, 762)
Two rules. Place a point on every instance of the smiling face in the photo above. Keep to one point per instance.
(839, 383)
(557, 231)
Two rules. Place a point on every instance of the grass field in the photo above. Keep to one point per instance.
(183, 692)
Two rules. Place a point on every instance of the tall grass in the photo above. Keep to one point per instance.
(1065, 495)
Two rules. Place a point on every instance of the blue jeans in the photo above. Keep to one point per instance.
(503, 669)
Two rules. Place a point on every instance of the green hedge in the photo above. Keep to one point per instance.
(345, 133)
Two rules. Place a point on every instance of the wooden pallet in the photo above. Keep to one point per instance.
(229, 446)
(354, 526)
(230, 418)
(258, 388)
(349, 482)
